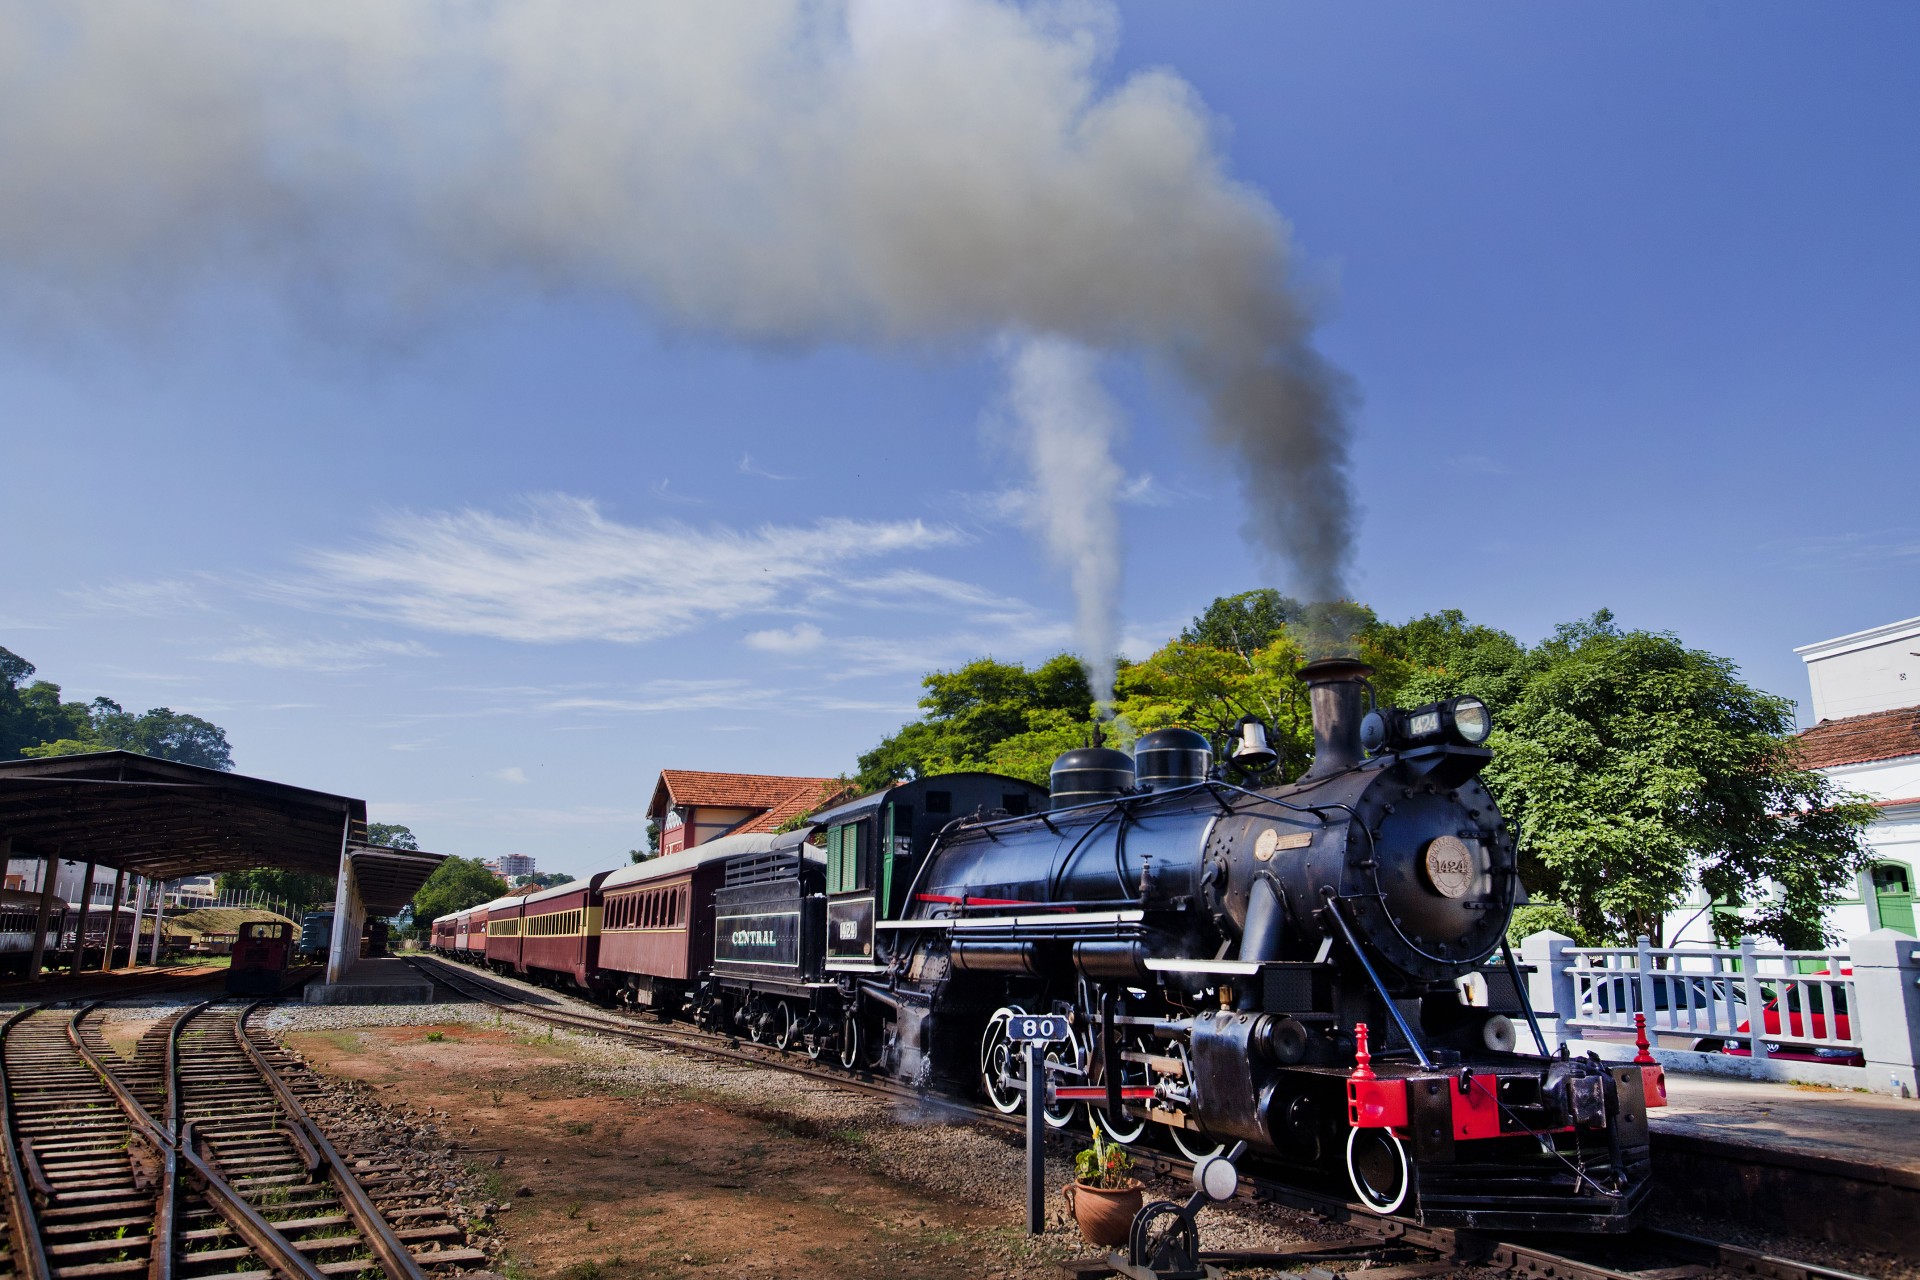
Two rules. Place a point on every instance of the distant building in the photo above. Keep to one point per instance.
(691, 808)
(509, 866)
(1866, 702)
(1866, 705)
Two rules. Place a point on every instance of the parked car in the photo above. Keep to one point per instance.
(1810, 1023)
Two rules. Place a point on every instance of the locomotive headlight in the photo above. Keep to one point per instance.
(1472, 722)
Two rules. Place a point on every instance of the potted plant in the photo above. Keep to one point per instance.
(1104, 1196)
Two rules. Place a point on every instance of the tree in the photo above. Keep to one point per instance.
(1634, 768)
(980, 706)
(391, 835)
(641, 855)
(295, 888)
(103, 725)
(455, 885)
(545, 879)
(1244, 623)
(32, 714)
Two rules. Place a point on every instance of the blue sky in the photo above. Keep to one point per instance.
(1625, 294)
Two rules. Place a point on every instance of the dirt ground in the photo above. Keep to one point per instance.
(603, 1180)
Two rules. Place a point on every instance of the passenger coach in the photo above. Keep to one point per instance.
(656, 937)
(560, 932)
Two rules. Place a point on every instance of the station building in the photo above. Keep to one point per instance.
(1866, 737)
(690, 808)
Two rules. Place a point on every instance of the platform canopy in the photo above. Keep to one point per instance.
(388, 878)
(165, 820)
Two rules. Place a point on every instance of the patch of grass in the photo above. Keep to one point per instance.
(578, 1128)
(588, 1270)
(572, 1211)
(435, 1037)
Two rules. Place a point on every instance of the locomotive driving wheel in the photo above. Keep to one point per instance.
(783, 1026)
(1001, 1065)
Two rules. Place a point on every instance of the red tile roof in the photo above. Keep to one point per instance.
(1879, 735)
(780, 798)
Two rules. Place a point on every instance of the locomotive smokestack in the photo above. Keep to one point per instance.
(1336, 688)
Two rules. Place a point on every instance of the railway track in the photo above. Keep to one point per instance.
(1395, 1247)
(195, 1159)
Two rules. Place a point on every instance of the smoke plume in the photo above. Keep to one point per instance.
(1067, 428)
(788, 173)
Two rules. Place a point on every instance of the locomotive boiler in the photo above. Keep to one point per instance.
(1317, 968)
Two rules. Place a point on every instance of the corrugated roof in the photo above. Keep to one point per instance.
(1878, 735)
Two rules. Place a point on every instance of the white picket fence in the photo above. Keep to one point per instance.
(1708, 997)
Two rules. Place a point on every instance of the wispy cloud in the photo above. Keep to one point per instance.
(748, 469)
(512, 773)
(1853, 550)
(165, 597)
(307, 653)
(802, 637)
(663, 491)
(560, 570)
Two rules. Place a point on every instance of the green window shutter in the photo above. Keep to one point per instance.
(833, 859)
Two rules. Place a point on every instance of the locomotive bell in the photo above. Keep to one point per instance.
(1087, 774)
(1252, 751)
(1168, 758)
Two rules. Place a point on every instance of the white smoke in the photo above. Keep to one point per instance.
(1067, 429)
(783, 172)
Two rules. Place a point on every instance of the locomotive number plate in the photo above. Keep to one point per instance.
(1271, 842)
(1046, 1027)
(1450, 866)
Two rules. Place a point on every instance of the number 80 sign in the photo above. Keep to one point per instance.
(1036, 1026)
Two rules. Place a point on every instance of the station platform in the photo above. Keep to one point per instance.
(375, 980)
(1829, 1163)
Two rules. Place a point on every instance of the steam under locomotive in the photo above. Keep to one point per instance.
(1317, 968)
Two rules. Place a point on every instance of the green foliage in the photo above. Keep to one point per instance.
(979, 707)
(1536, 917)
(641, 855)
(35, 724)
(1104, 1165)
(391, 835)
(455, 885)
(1633, 766)
(1244, 623)
(295, 887)
(545, 879)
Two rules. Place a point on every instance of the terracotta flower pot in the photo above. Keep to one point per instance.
(1105, 1217)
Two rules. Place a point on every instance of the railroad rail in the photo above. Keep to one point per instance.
(1409, 1248)
(195, 1159)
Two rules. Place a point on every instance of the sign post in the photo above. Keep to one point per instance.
(1036, 1032)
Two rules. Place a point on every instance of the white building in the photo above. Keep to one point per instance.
(1866, 705)
(1866, 737)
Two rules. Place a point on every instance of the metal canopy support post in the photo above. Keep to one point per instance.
(80, 929)
(1036, 1138)
(346, 896)
(49, 876)
(113, 921)
(159, 920)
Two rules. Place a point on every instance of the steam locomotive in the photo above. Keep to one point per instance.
(1316, 968)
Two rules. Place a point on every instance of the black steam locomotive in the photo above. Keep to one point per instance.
(1315, 968)
(1224, 949)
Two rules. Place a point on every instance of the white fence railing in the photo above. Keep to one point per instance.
(1710, 997)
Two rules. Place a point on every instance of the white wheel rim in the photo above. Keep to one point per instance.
(1193, 1152)
(783, 1038)
(1359, 1184)
(995, 1052)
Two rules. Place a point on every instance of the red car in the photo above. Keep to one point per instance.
(1823, 1004)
